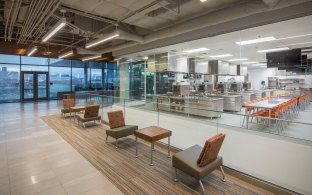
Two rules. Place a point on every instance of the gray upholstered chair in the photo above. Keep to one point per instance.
(118, 128)
(67, 104)
(91, 113)
(198, 162)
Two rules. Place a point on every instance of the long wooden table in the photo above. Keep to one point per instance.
(152, 134)
(268, 104)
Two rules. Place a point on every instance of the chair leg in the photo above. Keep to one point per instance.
(202, 186)
(223, 176)
(106, 138)
(176, 175)
(116, 143)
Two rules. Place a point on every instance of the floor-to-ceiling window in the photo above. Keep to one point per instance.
(60, 76)
(9, 78)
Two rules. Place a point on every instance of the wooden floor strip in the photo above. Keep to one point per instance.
(134, 175)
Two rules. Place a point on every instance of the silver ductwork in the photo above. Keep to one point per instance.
(271, 3)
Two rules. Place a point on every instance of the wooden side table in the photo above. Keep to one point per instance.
(152, 134)
(76, 109)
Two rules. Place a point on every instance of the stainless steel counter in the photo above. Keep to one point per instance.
(195, 105)
(231, 102)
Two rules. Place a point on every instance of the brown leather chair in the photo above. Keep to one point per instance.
(67, 104)
(198, 162)
(118, 128)
(91, 113)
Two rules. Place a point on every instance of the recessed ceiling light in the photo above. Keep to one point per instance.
(250, 62)
(203, 1)
(260, 40)
(239, 59)
(273, 49)
(221, 56)
(196, 50)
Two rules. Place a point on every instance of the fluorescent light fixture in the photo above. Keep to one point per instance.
(260, 40)
(273, 50)
(259, 64)
(58, 26)
(196, 50)
(101, 40)
(250, 62)
(203, 1)
(33, 50)
(294, 44)
(239, 59)
(91, 57)
(296, 36)
(145, 58)
(66, 54)
(221, 56)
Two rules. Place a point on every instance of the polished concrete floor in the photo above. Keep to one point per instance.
(34, 159)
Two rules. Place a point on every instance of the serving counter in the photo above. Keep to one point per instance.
(195, 105)
(231, 103)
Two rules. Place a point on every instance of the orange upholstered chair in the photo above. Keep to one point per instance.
(198, 162)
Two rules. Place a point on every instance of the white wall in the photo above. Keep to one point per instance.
(265, 156)
(255, 76)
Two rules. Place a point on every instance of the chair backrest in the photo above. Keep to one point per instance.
(67, 103)
(210, 150)
(116, 119)
(69, 96)
(91, 111)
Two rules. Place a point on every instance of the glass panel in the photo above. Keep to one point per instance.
(28, 86)
(79, 79)
(59, 80)
(9, 83)
(10, 59)
(34, 68)
(34, 60)
(96, 79)
(59, 62)
(42, 85)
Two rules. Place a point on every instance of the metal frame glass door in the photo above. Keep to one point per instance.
(34, 85)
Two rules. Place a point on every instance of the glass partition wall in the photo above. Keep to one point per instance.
(219, 78)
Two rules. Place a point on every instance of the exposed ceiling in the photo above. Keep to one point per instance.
(293, 34)
(23, 23)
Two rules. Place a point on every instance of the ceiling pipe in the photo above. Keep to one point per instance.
(271, 3)
(218, 17)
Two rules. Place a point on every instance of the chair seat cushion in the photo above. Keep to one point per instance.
(65, 110)
(80, 117)
(186, 161)
(121, 131)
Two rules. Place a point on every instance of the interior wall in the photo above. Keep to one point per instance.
(255, 76)
(265, 156)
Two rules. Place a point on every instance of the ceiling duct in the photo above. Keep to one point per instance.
(271, 3)
(169, 5)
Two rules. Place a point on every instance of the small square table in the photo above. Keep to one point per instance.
(152, 134)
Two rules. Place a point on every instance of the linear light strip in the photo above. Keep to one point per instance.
(98, 41)
(66, 54)
(221, 56)
(239, 59)
(196, 50)
(33, 50)
(252, 41)
(58, 26)
(273, 49)
(91, 58)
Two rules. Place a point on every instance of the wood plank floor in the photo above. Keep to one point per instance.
(134, 175)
